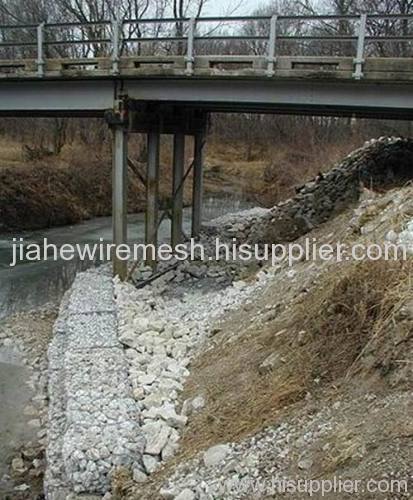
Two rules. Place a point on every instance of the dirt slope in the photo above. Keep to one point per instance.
(326, 351)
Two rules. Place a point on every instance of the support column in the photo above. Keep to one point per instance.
(178, 188)
(152, 194)
(197, 188)
(119, 196)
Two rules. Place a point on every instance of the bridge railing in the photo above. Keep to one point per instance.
(357, 36)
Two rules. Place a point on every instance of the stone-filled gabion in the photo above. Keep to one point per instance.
(93, 420)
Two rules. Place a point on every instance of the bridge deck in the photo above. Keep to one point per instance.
(383, 69)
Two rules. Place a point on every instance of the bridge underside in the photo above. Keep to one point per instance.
(93, 97)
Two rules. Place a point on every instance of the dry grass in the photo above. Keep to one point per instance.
(344, 314)
(240, 400)
(269, 175)
(43, 195)
(340, 317)
(11, 153)
(345, 446)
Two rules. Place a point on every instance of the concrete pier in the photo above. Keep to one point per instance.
(152, 193)
(119, 196)
(177, 190)
(197, 187)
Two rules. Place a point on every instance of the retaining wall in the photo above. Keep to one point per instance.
(93, 420)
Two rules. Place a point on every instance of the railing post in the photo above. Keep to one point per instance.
(40, 50)
(271, 59)
(189, 59)
(359, 60)
(116, 24)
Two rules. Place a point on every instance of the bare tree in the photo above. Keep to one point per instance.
(182, 9)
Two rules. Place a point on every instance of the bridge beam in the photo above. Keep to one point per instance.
(152, 195)
(197, 186)
(178, 188)
(119, 196)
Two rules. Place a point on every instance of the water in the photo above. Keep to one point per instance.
(33, 284)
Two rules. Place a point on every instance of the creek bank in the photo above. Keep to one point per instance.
(45, 195)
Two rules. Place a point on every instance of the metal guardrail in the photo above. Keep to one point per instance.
(188, 26)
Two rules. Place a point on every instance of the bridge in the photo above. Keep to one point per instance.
(164, 76)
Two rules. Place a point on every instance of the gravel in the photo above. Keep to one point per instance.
(162, 327)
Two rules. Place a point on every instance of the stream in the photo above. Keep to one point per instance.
(33, 284)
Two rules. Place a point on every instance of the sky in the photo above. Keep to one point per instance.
(220, 7)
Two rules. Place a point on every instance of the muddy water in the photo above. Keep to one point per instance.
(32, 284)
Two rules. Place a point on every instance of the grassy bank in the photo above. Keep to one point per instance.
(52, 190)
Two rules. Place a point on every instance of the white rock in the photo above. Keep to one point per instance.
(129, 339)
(17, 465)
(177, 333)
(216, 454)
(171, 446)
(141, 324)
(34, 423)
(168, 385)
(239, 285)
(151, 463)
(156, 435)
(168, 494)
(22, 487)
(391, 236)
(302, 337)
(147, 379)
(196, 271)
(157, 326)
(179, 350)
(159, 350)
(271, 363)
(305, 464)
(154, 400)
(198, 403)
(138, 393)
(168, 413)
(139, 476)
(185, 494)
(193, 405)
